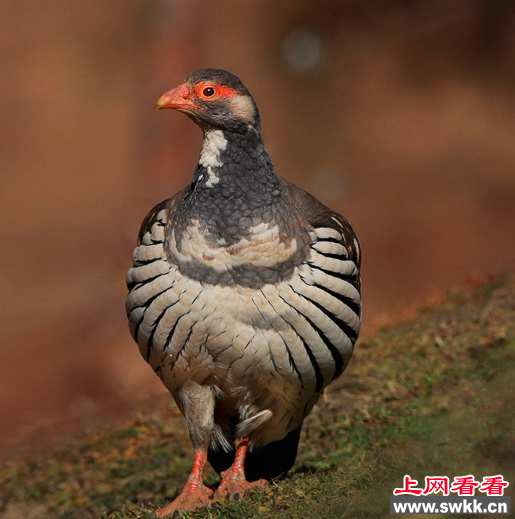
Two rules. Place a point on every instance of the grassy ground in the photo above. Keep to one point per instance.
(434, 396)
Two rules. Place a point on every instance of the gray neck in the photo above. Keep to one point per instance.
(235, 165)
(233, 184)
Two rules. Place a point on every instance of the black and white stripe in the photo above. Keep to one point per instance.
(149, 280)
(325, 305)
(297, 334)
(320, 304)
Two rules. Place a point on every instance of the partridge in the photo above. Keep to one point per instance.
(244, 296)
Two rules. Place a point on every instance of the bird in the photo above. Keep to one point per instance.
(244, 297)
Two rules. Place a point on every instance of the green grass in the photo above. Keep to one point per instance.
(434, 396)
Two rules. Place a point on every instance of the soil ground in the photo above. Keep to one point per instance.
(430, 396)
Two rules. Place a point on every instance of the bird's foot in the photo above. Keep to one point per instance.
(234, 485)
(193, 496)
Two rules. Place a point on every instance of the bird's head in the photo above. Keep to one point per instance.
(214, 99)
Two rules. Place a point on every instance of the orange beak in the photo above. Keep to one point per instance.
(178, 99)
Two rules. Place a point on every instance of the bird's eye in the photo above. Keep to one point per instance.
(208, 92)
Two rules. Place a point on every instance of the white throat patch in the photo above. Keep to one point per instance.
(212, 147)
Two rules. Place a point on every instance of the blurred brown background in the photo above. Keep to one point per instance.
(399, 114)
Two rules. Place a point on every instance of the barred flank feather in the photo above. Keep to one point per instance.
(244, 295)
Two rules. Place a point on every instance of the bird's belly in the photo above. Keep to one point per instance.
(214, 334)
(255, 345)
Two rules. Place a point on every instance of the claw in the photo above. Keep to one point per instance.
(189, 499)
(194, 495)
(234, 484)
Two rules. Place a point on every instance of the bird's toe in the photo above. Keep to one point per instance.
(191, 498)
(235, 488)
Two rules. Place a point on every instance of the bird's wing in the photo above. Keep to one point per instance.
(156, 215)
(320, 217)
(160, 214)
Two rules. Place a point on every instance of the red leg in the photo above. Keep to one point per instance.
(233, 479)
(195, 494)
